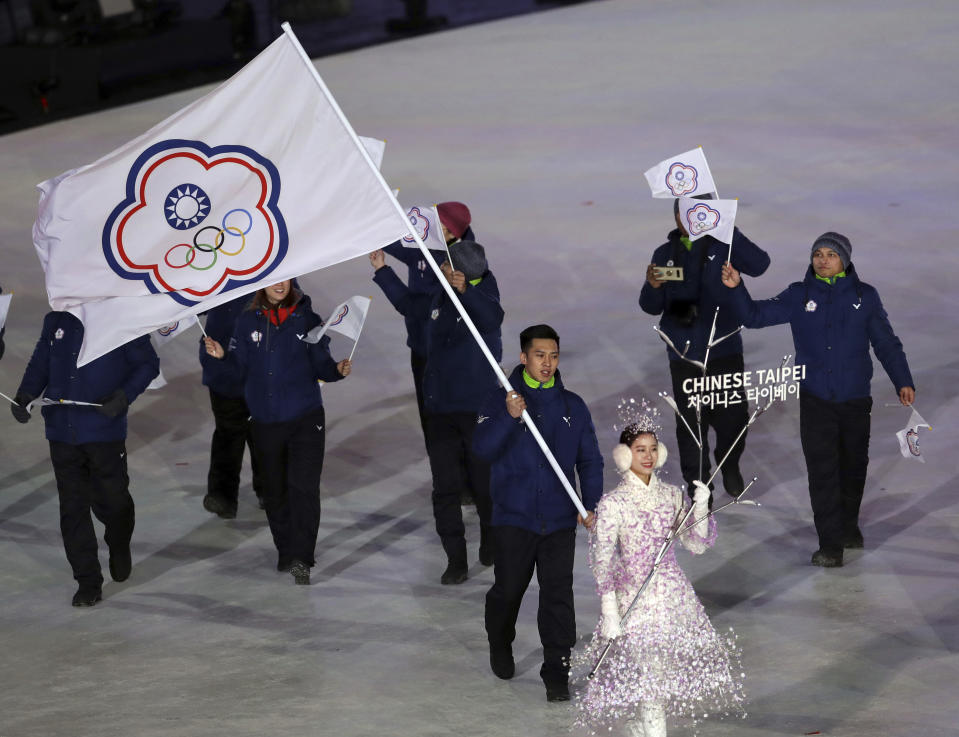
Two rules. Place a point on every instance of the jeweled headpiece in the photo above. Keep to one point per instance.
(638, 417)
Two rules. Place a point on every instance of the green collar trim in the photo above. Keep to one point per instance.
(688, 244)
(830, 279)
(533, 384)
(474, 282)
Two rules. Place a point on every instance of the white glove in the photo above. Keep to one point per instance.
(610, 626)
(701, 508)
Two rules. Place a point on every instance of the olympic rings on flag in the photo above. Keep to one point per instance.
(216, 247)
(217, 240)
(249, 220)
(229, 229)
(189, 259)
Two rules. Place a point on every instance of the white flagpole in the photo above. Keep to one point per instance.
(451, 293)
(8, 399)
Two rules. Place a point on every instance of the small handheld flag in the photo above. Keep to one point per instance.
(685, 175)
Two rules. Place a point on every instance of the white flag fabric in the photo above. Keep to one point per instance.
(164, 335)
(685, 175)
(159, 382)
(908, 437)
(347, 319)
(426, 221)
(259, 181)
(708, 217)
(376, 148)
(4, 308)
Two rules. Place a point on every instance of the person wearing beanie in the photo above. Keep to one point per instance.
(667, 659)
(533, 519)
(88, 443)
(456, 380)
(834, 318)
(687, 308)
(421, 287)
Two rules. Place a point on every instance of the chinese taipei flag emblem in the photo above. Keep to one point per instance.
(260, 180)
(213, 210)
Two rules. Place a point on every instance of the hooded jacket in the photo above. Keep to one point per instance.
(278, 371)
(523, 486)
(833, 326)
(53, 372)
(702, 272)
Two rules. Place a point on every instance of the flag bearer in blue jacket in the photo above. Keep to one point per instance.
(279, 374)
(534, 520)
(231, 417)
(687, 308)
(423, 287)
(456, 380)
(88, 444)
(834, 319)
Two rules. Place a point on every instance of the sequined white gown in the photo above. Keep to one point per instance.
(669, 652)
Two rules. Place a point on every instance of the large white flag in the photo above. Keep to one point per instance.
(4, 308)
(708, 217)
(426, 222)
(165, 334)
(908, 437)
(259, 181)
(347, 319)
(685, 175)
(376, 148)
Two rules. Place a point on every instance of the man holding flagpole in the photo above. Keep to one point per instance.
(687, 307)
(457, 378)
(88, 443)
(533, 519)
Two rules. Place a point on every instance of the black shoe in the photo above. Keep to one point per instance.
(86, 596)
(557, 692)
(259, 502)
(301, 573)
(827, 560)
(501, 662)
(284, 564)
(219, 506)
(120, 564)
(455, 573)
(733, 481)
(486, 555)
(853, 539)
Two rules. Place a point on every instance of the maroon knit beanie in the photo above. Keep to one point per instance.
(455, 216)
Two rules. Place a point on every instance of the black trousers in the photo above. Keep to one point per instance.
(725, 421)
(290, 456)
(835, 442)
(516, 552)
(92, 477)
(455, 469)
(418, 367)
(231, 434)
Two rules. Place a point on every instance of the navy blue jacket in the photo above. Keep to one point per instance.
(523, 486)
(832, 326)
(422, 286)
(220, 325)
(702, 271)
(53, 371)
(457, 377)
(279, 372)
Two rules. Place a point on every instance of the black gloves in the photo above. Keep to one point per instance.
(114, 405)
(19, 409)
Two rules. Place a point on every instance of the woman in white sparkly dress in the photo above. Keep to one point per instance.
(666, 659)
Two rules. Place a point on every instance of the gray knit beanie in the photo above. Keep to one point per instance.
(470, 258)
(836, 242)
